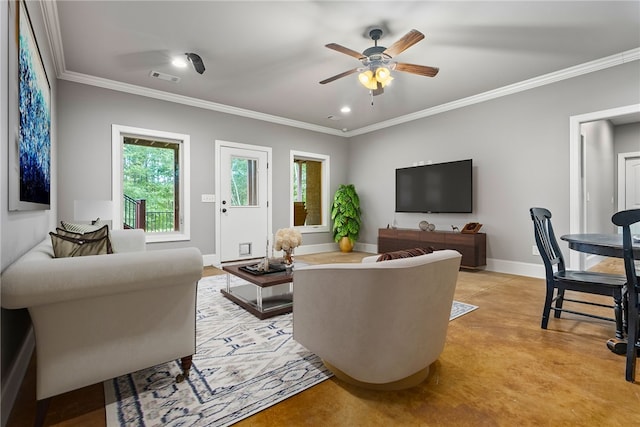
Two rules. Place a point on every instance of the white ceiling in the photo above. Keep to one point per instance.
(265, 58)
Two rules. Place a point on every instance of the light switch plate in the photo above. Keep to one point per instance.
(208, 198)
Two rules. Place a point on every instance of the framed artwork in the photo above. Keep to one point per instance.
(30, 123)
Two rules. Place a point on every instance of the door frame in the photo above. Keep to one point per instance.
(575, 191)
(622, 177)
(218, 145)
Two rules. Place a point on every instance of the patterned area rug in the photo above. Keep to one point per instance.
(242, 365)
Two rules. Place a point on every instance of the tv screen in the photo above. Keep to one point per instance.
(437, 188)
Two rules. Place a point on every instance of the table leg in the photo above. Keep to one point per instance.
(259, 298)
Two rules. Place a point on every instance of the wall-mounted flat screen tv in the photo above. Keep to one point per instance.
(436, 188)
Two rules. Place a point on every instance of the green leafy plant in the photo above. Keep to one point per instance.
(345, 213)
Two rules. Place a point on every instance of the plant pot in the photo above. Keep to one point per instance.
(345, 244)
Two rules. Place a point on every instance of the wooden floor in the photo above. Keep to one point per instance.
(498, 368)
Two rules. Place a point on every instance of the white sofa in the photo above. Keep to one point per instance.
(98, 317)
(376, 324)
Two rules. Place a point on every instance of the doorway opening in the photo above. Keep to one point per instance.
(628, 114)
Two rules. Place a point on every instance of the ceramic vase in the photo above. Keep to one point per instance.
(345, 244)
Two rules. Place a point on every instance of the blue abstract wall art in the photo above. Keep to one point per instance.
(34, 104)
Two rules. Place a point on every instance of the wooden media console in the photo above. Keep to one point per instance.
(472, 246)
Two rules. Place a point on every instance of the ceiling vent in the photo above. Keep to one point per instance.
(163, 76)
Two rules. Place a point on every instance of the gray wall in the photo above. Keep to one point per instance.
(627, 138)
(599, 175)
(520, 148)
(85, 116)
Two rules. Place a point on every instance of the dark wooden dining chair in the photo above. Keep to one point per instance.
(559, 279)
(624, 219)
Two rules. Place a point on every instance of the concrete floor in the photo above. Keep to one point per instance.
(498, 368)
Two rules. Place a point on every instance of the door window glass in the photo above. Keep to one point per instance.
(244, 181)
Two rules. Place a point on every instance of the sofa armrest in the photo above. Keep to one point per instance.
(371, 258)
(48, 281)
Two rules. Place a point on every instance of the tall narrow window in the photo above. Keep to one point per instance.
(151, 182)
(309, 191)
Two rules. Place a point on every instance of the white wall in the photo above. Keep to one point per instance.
(520, 148)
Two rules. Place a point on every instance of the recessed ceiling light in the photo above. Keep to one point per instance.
(345, 109)
(179, 62)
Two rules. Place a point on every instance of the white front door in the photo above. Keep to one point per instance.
(243, 201)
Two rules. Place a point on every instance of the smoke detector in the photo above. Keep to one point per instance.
(164, 76)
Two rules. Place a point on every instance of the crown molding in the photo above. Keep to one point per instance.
(193, 102)
(50, 12)
(52, 27)
(545, 79)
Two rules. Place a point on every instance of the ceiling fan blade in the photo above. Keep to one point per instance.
(421, 70)
(345, 50)
(338, 76)
(409, 39)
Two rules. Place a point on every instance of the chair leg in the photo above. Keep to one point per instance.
(186, 363)
(632, 341)
(559, 301)
(41, 411)
(547, 306)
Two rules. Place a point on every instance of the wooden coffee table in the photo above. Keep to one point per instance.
(265, 295)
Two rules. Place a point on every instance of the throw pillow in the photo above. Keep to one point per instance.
(406, 253)
(91, 235)
(65, 246)
(82, 228)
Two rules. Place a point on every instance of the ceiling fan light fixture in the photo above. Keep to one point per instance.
(383, 75)
(371, 80)
(367, 79)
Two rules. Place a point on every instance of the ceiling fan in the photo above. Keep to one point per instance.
(377, 62)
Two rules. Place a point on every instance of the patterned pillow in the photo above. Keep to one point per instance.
(406, 253)
(91, 235)
(82, 228)
(65, 246)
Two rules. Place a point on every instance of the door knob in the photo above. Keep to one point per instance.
(224, 210)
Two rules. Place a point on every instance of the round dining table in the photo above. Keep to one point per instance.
(600, 244)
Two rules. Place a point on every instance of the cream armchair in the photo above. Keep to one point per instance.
(376, 324)
(98, 317)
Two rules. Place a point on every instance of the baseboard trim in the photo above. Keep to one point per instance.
(515, 267)
(495, 265)
(16, 373)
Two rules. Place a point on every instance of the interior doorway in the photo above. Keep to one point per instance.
(629, 183)
(628, 114)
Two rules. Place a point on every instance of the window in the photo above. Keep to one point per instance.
(244, 181)
(309, 191)
(151, 182)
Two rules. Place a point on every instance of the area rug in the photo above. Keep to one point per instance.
(242, 365)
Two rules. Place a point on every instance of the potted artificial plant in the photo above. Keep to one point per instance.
(345, 213)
